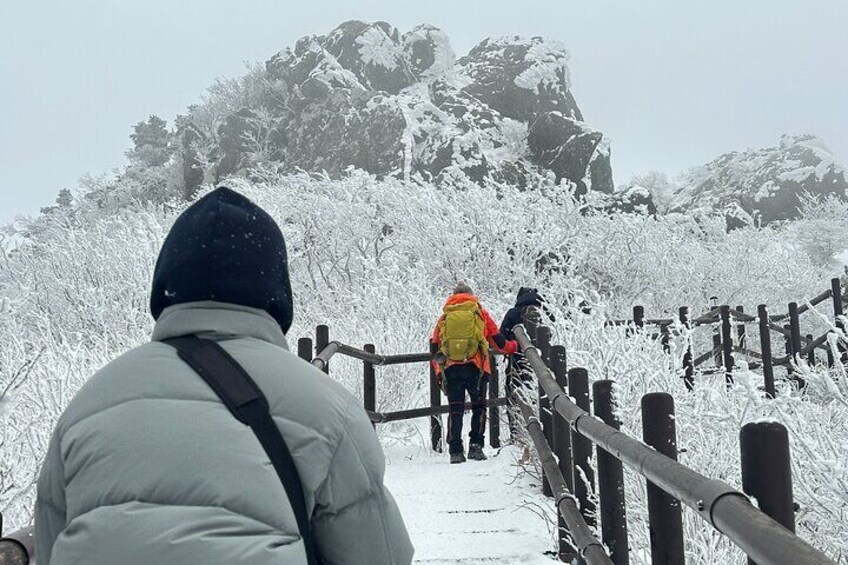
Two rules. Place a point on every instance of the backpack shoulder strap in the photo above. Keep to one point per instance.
(246, 402)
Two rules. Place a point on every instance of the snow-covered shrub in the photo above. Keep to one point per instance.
(375, 260)
(821, 233)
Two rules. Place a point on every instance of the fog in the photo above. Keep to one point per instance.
(671, 84)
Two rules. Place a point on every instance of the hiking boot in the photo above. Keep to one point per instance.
(475, 452)
(457, 457)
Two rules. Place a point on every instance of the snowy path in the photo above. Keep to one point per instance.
(476, 512)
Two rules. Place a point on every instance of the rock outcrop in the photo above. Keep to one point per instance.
(762, 185)
(393, 104)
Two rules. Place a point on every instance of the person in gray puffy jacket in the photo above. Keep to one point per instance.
(147, 465)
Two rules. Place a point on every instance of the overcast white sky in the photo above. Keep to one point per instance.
(672, 83)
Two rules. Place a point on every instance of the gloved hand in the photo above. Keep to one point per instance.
(511, 347)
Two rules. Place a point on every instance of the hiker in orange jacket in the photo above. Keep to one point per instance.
(464, 334)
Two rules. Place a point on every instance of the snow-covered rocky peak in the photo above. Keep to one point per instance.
(367, 96)
(764, 184)
(520, 77)
(354, 55)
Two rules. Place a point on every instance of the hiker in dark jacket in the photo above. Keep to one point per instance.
(147, 465)
(470, 370)
(516, 375)
(526, 297)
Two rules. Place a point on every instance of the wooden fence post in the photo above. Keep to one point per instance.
(543, 342)
(12, 553)
(664, 516)
(787, 342)
(561, 430)
(688, 360)
(766, 470)
(494, 411)
(741, 332)
(638, 319)
(831, 359)
(561, 433)
(561, 438)
(794, 330)
(639, 316)
(717, 346)
(811, 355)
(369, 381)
(304, 349)
(836, 292)
(435, 402)
(795, 339)
(727, 345)
(611, 481)
(765, 349)
(322, 340)
(581, 448)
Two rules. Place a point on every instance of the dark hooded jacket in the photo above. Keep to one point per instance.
(526, 297)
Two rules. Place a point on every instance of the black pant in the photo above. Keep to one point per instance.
(461, 378)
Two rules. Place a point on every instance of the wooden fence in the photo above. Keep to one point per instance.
(18, 548)
(562, 431)
(567, 430)
(722, 320)
(326, 349)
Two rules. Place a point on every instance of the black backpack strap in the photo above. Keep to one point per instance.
(245, 401)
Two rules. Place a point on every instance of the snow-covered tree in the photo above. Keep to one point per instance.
(151, 143)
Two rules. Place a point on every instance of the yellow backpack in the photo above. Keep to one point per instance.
(462, 331)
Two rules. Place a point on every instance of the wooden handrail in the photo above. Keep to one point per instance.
(386, 417)
(726, 509)
(586, 543)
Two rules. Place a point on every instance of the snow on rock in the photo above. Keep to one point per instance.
(428, 51)
(365, 96)
(548, 67)
(377, 48)
(633, 199)
(521, 77)
(373, 53)
(765, 184)
(572, 151)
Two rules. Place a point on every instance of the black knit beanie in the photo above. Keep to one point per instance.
(224, 248)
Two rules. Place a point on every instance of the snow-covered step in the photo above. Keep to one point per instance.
(478, 512)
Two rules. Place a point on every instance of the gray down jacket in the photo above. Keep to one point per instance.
(147, 466)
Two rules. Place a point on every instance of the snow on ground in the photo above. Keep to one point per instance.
(477, 512)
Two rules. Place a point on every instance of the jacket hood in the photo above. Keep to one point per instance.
(224, 248)
(528, 297)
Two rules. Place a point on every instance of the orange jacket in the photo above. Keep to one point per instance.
(490, 331)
